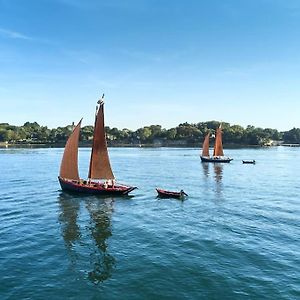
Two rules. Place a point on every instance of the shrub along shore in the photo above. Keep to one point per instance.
(185, 134)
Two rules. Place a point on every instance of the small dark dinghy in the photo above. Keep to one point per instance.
(169, 194)
(249, 161)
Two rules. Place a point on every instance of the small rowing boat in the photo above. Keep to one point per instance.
(169, 194)
(249, 161)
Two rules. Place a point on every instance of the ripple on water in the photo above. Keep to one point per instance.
(235, 236)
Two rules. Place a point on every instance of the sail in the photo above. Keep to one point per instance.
(205, 147)
(218, 149)
(69, 163)
(99, 164)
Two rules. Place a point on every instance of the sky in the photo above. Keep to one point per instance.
(157, 61)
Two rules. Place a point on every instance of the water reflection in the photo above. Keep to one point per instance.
(87, 244)
(100, 213)
(218, 170)
(217, 175)
(205, 169)
(69, 207)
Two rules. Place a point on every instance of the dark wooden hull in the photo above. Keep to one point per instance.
(94, 189)
(169, 194)
(216, 160)
(249, 162)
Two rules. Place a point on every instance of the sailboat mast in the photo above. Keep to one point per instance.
(92, 152)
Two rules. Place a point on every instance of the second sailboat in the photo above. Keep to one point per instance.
(218, 155)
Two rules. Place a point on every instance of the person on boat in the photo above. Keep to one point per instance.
(105, 185)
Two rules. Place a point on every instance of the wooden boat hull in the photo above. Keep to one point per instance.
(94, 189)
(249, 162)
(169, 194)
(216, 160)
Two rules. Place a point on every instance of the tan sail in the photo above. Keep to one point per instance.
(99, 164)
(205, 147)
(69, 163)
(218, 148)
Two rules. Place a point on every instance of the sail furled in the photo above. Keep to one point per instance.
(69, 163)
(205, 147)
(218, 149)
(99, 164)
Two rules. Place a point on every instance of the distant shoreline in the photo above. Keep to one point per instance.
(89, 145)
(183, 135)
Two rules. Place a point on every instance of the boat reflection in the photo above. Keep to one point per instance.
(69, 207)
(217, 176)
(86, 239)
(205, 167)
(218, 170)
(100, 213)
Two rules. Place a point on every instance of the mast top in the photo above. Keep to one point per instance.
(101, 100)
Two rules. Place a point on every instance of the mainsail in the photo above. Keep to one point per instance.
(205, 147)
(69, 163)
(99, 164)
(218, 149)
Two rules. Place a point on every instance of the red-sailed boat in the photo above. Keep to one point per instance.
(218, 155)
(169, 194)
(101, 180)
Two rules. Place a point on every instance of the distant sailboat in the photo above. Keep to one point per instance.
(218, 155)
(101, 179)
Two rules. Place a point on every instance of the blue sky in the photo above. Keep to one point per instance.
(157, 61)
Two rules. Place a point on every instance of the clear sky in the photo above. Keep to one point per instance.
(157, 61)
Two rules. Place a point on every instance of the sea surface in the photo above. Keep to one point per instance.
(236, 236)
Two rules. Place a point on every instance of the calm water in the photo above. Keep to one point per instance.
(237, 236)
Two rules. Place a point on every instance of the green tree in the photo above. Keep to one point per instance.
(86, 133)
(144, 133)
(292, 136)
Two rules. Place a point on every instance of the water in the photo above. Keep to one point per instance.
(235, 237)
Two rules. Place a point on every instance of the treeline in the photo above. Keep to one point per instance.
(183, 134)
